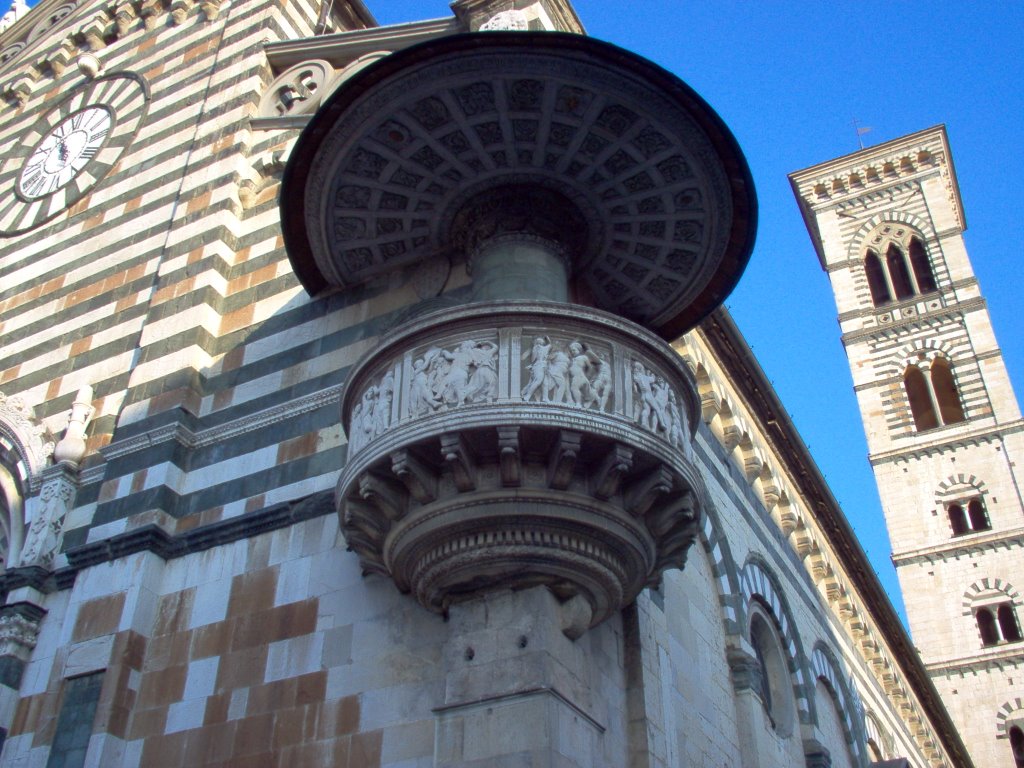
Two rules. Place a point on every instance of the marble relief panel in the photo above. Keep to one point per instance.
(532, 365)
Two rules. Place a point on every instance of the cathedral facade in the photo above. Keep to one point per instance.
(367, 400)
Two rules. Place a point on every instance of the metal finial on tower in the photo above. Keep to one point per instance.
(860, 131)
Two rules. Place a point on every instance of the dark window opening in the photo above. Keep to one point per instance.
(998, 624)
(968, 517)
(1017, 746)
(876, 280)
(976, 514)
(922, 269)
(1008, 623)
(958, 520)
(987, 627)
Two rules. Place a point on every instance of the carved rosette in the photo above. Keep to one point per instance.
(513, 444)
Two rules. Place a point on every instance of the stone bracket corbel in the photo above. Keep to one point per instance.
(641, 495)
(681, 509)
(614, 467)
(383, 494)
(415, 475)
(563, 459)
(364, 534)
(508, 447)
(458, 458)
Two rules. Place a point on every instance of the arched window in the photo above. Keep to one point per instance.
(12, 525)
(998, 624)
(922, 269)
(776, 689)
(876, 280)
(898, 273)
(957, 520)
(1017, 746)
(897, 265)
(946, 395)
(934, 399)
(967, 516)
(921, 406)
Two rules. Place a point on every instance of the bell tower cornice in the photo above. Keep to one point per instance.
(860, 184)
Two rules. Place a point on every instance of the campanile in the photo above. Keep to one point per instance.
(943, 426)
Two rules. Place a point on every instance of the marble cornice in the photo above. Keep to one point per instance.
(945, 438)
(961, 546)
(343, 47)
(222, 432)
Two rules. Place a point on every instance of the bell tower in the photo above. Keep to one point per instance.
(943, 426)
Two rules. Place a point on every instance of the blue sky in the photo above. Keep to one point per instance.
(788, 78)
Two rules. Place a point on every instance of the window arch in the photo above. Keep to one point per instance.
(898, 273)
(934, 399)
(997, 624)
(12, 514)
(918, 393)
(897, 265)
(968, 516)
(1006, 618)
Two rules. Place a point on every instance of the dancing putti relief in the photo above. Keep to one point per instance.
(571, 373)
(655, 405)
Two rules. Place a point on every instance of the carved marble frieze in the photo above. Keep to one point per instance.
(510, 443)
(539, 365)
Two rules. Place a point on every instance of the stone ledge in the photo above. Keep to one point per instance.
(153, 538)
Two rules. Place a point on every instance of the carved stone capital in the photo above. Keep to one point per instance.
(19, 629)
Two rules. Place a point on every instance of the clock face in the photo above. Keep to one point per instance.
(65, 151)
(64, 154)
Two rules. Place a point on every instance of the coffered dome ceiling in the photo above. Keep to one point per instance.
(656, 198)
